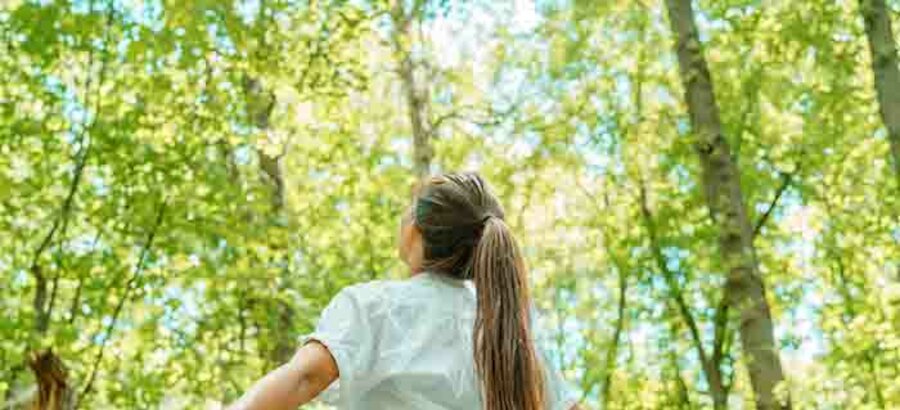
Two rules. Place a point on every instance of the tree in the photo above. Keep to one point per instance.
(416, 91)
(745, 290)
(235, 164)
(883, 54)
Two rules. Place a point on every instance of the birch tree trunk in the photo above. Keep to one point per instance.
(416, 94)
(744, 288)
(884, 68)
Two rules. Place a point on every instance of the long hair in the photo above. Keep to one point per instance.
(465, 237)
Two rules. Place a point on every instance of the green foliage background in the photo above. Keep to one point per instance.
(146, 240)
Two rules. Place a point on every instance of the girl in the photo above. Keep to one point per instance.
(456, 335)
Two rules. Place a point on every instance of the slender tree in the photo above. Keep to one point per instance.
(260, 104)
(710, 363)
(416, 93)
(744, 287)
(883, 51)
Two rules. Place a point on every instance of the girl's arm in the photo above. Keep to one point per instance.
(296, 382)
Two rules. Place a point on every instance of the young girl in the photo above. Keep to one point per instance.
(458, 334)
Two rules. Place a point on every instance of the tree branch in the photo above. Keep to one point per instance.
(720, 331)
(612, 350)
(82, 156)
(669, 276)
(76, 300)
(710, 368)
(138, 269)
(786, 181)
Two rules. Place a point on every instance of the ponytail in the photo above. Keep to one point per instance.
(505, 355)
(465, 238)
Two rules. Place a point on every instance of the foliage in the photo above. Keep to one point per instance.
(184, 185)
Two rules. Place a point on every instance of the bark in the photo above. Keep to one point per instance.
(744, 288)
(416, 94)
(54, 390)
(883, 51)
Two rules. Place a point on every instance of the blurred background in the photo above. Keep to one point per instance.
(185, 184)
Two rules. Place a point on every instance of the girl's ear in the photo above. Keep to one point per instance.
(416, 188)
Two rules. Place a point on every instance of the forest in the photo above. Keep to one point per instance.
(707, 193)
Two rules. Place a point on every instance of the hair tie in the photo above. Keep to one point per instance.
(479, 229)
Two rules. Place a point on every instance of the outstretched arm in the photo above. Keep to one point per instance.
(296, 382)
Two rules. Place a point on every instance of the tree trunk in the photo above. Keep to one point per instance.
(54, 391)
(260, 104)
(744, 288)
(884, 67)
(416, 94)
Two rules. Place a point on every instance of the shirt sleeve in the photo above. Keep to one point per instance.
(561, 395)
(344, 331)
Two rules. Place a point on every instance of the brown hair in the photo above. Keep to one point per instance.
(465, 237)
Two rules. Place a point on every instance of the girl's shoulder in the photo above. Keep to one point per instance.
(375, 293)
(416, 293)
(373, 289)
(380, 288)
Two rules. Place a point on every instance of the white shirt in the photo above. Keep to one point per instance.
(408, 345)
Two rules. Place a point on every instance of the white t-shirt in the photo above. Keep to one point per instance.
(408, 345)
